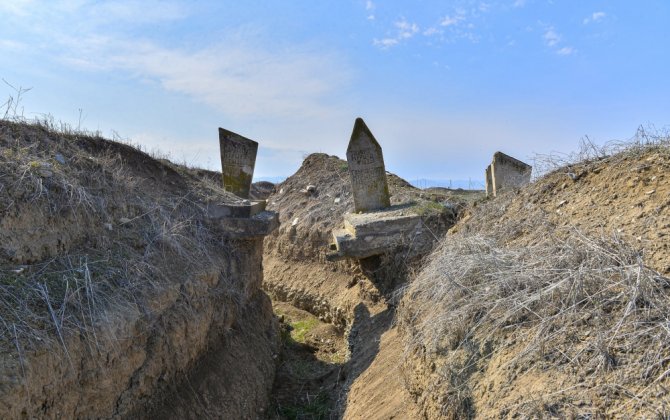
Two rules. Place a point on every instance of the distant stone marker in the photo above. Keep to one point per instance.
(489, 181)
(505, 173)
(367, 171)
(238, 158)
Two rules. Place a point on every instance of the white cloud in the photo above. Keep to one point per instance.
(432, 31)
(551, 37)
(454, 19)
(566, 51)
(370, 7)
(243, 75)
(554, 40)
(135, 11)
(12, 45)
(16, 7)
(404, 30)
(385, 43)
(240, 81)
(595, 17)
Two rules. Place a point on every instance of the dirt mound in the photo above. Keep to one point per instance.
(550, 301)
(114, 281)
(350, 295)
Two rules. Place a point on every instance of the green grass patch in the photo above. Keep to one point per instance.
(301, 328)
(425, 208)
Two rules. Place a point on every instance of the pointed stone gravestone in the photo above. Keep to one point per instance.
(489, 181)
(238, 158)
(505, 173)
(367, 171)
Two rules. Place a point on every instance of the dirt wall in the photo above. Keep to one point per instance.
(119, 295)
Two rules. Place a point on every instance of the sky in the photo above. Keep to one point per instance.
(441, 84)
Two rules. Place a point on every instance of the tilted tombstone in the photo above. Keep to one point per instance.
(506, 173)
(489, 181)
(238, 158)
(367, 171)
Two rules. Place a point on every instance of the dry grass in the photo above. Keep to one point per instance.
(590, 153)
(510, 296)
(125, 237)
(550, 293)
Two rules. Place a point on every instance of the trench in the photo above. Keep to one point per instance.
(319, 362)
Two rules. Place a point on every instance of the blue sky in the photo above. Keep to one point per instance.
(441, 84)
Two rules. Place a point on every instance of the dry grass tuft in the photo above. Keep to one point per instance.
(591, 304)
(92, 230)
(509, 300)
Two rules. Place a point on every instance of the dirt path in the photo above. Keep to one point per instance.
(322, 374)
(310, 368)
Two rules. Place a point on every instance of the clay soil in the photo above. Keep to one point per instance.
(356, 299)
(617, 202)
(117, 291)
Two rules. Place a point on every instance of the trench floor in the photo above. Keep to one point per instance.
(310, 366)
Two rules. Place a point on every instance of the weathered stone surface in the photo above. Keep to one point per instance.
(216, 211)
(257, 226)
(489, 181)
(367, 171)
(238, 158)
(368, 234)
(506, 173)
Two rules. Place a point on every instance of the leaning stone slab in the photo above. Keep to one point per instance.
(238, 158)
(368, 234)
(254, 227)
(506, 173)
(219, 211)
(489, 181)
(366, 168)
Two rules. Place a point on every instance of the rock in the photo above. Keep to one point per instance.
(108, 226)
(124, 220)
(295, 221)
(45, 173)
(311, 188)
(60, 158)
(337, 200)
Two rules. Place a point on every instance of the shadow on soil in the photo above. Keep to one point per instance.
(313, 374)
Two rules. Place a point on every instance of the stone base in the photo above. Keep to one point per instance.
(369, 234)
(257, 226)
(243, 210)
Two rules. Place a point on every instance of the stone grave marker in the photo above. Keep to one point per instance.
(506, 173)
(238, 158)
(366, 168)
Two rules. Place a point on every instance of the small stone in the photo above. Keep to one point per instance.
(562, 203)
(337, 200)
(281, 191)
(108, 226)
(311, 188)
(650, 192)
(124, 220)
(60, 158)
(44, 173)
(295, 221)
